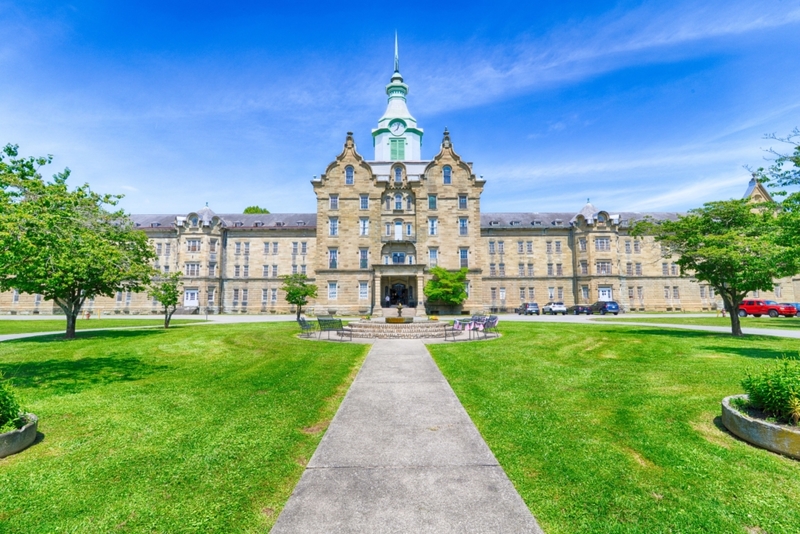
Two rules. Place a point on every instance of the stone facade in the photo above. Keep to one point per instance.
(381, 225)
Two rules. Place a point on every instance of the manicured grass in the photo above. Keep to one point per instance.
(185, 430)
(604, 429)
(18, 326)
(792, 323)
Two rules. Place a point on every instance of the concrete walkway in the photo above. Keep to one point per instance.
(402, 455)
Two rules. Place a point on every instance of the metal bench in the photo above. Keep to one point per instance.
(306, 328)
(328, 324)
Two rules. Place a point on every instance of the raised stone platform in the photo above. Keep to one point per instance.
(382, 330)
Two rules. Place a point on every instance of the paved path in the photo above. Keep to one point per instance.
(402, 455)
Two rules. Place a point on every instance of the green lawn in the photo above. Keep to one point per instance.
(185, 430)
(19, 326)
(792, 323)
(610, 430)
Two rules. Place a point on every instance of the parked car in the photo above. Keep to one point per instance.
(554, 307)
(795, 304)
(529, 308)
(759, 307)
(604, 307)
(579, 309)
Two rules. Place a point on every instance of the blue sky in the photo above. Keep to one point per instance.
(640, 106)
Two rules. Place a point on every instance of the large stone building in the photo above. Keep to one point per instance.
(381, 224)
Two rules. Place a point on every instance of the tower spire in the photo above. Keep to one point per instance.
(396, 54)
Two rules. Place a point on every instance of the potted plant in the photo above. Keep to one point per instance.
(17, 428)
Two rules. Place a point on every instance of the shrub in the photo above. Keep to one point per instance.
(776, 391)
(10, 411)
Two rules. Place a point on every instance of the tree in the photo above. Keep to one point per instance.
(447, 287)
(785, 169)
(167, 291)
(253, 210)
(63, 244)
(298, 291)
(733, 245)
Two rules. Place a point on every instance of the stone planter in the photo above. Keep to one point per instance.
(773, 437)
(399, 320)
(20, 439)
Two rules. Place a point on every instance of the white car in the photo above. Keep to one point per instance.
(554, 307)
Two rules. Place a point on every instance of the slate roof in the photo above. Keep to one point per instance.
(549, 219)
(267, 220)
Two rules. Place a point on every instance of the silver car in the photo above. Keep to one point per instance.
(554, 307)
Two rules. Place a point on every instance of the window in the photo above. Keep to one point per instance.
(666, 292)
(674, 269)
(431, 202)
(520, 248)
(364, 205)
(585, 292)
(463, 256)
(492, 269)
(530, 269)
(334, 202)
(529, 246)
(462, 202)
(264, 296)
(265, 271)
(501, 247)
(273, 294)
(409, 202)
(303, 247)
(630, 293)
(447, 177)
(15, 296)
(237, 248)
(303, 269)
(629, 269)
(637, 247)
(333, 290)
(433, 225)
(638, 269)
(584, 267)
(158, 249)
(558, 247)
(274, 271)
(166, 268)
(127, 298)
(348, 175)
(603, 267)
(119, 297)
(388, 229)
(213, 246)
(467, 288)
(549, 269)
(166, 249)
(398, 175)
(193, 245)
(560, 293)
(664, 269)
(582, 244)
(192, 269)
(491, 247)
(333, 258)
(559, 270)
(398, 201)
(235, 297)
(211, 293)
(502, 293)
(551, 293)
(602, 244)
(275, 247)
(702, 292)
(244, 297)
(333, 226)
(433, 257)
(363, 290)
(549, 247)
(531, 294)
(363, 258)
(502, 267)
(294, 248)
(675, 294)
(462, 226)
(777, 291)
(363, 226)
(522, 269)
(627, 247)
(246, 249)
(409, 229)
(398, 258)
(397, 149)
(522, 294)
(236, 270)
(266, 247)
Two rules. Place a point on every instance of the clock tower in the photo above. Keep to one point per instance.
(397, 137)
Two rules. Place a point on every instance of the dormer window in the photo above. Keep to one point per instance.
(494, 223)
(155, 225)
(558, 222)
(398, 175)
(348, 175)
(194, 221)
(258, 224)
(301, 223)
(601, 218)
(536, 223)
(447, 174)
(514, 223)
(238, 224)
(279, 223)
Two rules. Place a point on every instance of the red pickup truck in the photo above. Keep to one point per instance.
(757, 308)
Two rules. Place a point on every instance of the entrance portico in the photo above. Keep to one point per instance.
(399, 284)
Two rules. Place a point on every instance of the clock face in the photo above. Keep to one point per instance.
(397, 127)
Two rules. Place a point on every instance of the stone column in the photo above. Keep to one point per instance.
(376, 292)
(420, 296)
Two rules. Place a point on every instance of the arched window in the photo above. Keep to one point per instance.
(447, 172)
(398, 174)
(348, 175)
(398, 201)
(409, 202)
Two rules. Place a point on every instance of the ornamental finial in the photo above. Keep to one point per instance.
(396, 54)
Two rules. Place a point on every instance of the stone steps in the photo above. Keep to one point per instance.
(381, 330)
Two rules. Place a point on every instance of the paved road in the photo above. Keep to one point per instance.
(402, 455)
